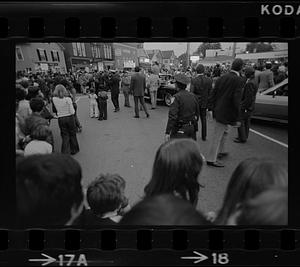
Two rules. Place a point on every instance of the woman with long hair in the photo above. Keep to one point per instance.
(66, 120)
(251, 177)
(176, 170)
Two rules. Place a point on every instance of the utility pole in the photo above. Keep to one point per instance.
(188, 55)
(233, 49)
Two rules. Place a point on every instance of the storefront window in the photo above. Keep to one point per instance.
(42, 55)
(110, 52)
(105, 52)
(79, 49)
(83, 49)
(54, 55)
(74, 49)
(19, 54)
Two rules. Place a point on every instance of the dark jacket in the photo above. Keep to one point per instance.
(184, 108)
(114, 83)
(32, 122)
(226, 98)
(138, 84)
(87, 218)
(249, 96)
(201, 86)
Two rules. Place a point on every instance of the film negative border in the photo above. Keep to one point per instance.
(108, 21)
(132, 20)
(153, 246)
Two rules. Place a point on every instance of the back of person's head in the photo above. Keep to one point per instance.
(41, 133)
(36, 104)
(268, 65)
(249, 72)
(25, 84)
(237, 64)
(268, 208)
(164, 209)
(200, 69)
(60, 91)
(92, 90)
(64, 82)
(137, 69)
(20, 94)
(49, 189)
(176, 170)
(251, 177)
(33, 91)
(105, 193)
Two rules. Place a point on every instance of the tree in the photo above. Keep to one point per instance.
(259, 47)
(182, 59)
(204, 46)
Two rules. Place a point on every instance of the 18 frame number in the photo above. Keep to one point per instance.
(220, 258)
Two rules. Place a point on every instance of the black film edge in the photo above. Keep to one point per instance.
(147, 21)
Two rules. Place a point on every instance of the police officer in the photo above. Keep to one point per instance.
(183, 112)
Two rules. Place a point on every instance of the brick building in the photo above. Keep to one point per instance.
(88, 56)
(39, 57)
(126, 55)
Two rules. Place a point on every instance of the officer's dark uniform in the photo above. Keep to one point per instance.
(183, 113)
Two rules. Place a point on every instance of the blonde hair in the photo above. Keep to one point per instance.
(60, 91)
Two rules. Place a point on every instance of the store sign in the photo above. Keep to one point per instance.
(100, 66)
(126, 51)
(129, 64)
(118, 52)
(194, 58)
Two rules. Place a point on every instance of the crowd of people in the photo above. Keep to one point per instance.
(45, 96)
(49, 190)
(50, 193)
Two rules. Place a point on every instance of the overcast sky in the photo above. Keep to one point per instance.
(180, 48)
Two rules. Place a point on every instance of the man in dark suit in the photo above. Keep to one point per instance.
(247, 105)
(224, 106)
(114, 85)
(201, 86)
(137, 87)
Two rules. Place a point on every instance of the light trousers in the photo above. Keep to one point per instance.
(93, 110)
(218, 141)
(153, 95)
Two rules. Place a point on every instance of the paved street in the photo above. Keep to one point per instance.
(127, 146)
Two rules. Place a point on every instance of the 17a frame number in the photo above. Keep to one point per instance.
(220, 258)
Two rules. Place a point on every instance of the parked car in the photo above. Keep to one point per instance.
(272, 104)
(166, 90)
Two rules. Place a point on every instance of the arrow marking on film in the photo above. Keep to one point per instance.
(47, 261)
(200, 257)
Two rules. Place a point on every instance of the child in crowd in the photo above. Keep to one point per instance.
(106, 199)
(177, 170)
(38, 143)
(23, 105)
(268, 208)
(48, 191)
(93, 104)
(164, 209)
(102, 105)
(251, 177)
